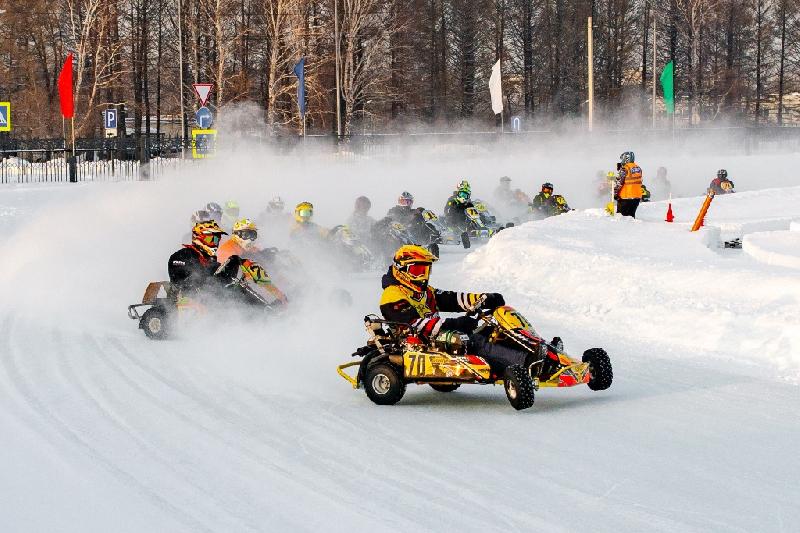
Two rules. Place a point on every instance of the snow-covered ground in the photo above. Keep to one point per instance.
(232, 427)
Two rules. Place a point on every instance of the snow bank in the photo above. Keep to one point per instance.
(778, 248)
(735, 214)
(654, 283)
(795, 225)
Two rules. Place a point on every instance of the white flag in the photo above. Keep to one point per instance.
(496, 89)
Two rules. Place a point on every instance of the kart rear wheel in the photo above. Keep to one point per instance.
(384, 385)
(519, 387)
(444, 388)
(465, 240)
(599, 367)
(154, 323)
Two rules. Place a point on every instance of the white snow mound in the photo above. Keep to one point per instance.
(657, 282)
(778, 248)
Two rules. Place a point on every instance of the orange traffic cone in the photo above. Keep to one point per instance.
(670, 216)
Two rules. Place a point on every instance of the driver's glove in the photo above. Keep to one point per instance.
(465, 324)
(493, 300)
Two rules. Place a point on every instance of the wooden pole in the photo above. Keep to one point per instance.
(338, 77)
(655, 70)
(180, 76)
(590, 61)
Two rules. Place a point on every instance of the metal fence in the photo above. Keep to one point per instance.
(118, 159)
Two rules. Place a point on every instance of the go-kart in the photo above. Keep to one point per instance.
(162, 308)
(439, 233)
(489, 220)
(394, 357)
(349, 249)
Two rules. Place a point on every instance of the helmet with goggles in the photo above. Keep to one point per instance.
(547, 188)
(304, 212)
(245, 232)
(206, 236)
(406, 199)
(412, 266)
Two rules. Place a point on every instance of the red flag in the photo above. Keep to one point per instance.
(65, 88)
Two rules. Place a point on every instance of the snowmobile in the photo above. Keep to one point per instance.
(394, 357)
(163, 310)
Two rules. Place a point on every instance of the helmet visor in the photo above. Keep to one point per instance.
(305, 213)
(463, 194)
(547, 190)
(405, 201)
(418, 270)
(247, 234)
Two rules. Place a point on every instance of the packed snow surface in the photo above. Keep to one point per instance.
(246, 427)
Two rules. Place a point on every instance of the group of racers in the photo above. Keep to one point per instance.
(224, 261)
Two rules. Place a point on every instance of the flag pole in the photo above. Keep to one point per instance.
(72, 121)
(590, 61)
(180, 77)
(654, 70)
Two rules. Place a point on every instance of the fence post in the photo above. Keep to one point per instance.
(72, 167)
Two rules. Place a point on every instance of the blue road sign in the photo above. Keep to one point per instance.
(5, 116)
(110, 119)
(204, 118)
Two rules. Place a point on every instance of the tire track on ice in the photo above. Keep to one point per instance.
(26, 391)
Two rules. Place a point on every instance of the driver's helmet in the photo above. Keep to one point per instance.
(231, 209)
(245, 233)
(214, 211)
(304, 212)
(276, 205)
(505, 181)
(464, 184)
(206, 236)
(363, 205)
(627, 157)
(722, 174)
(547, 188)
(412, 266)
(201, 215)
(611, 175)
(406, 199)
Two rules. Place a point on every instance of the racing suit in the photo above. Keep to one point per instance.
(421, 312)
(254, 271)
(455, 212)
(192, 272)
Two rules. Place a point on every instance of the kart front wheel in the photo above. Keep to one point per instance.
(444, 388)
(465, 242)
(519, 387)
(384, 385)
(154, 323)
(599, 367)
(434, 249)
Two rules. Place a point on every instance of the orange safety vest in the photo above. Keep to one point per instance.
(632, 182)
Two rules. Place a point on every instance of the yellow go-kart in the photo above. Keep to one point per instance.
(393, 357)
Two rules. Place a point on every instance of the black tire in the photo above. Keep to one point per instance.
(384, 385)
(444, 388)
(600, 368)
(509, 224)
(154, 323)
(434, 249)
(465, 240)
(519, 387)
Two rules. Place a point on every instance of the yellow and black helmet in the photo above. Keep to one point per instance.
(304, 212)
(412, 266)
(245, 232)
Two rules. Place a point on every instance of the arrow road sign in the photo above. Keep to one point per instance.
(5, 116)
(202, 91)
(204, 118)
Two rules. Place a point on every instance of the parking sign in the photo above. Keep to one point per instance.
(5, 116)
(110, 119)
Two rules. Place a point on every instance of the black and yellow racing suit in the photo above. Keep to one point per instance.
(420, 310)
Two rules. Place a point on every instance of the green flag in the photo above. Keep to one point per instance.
(666, 84)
